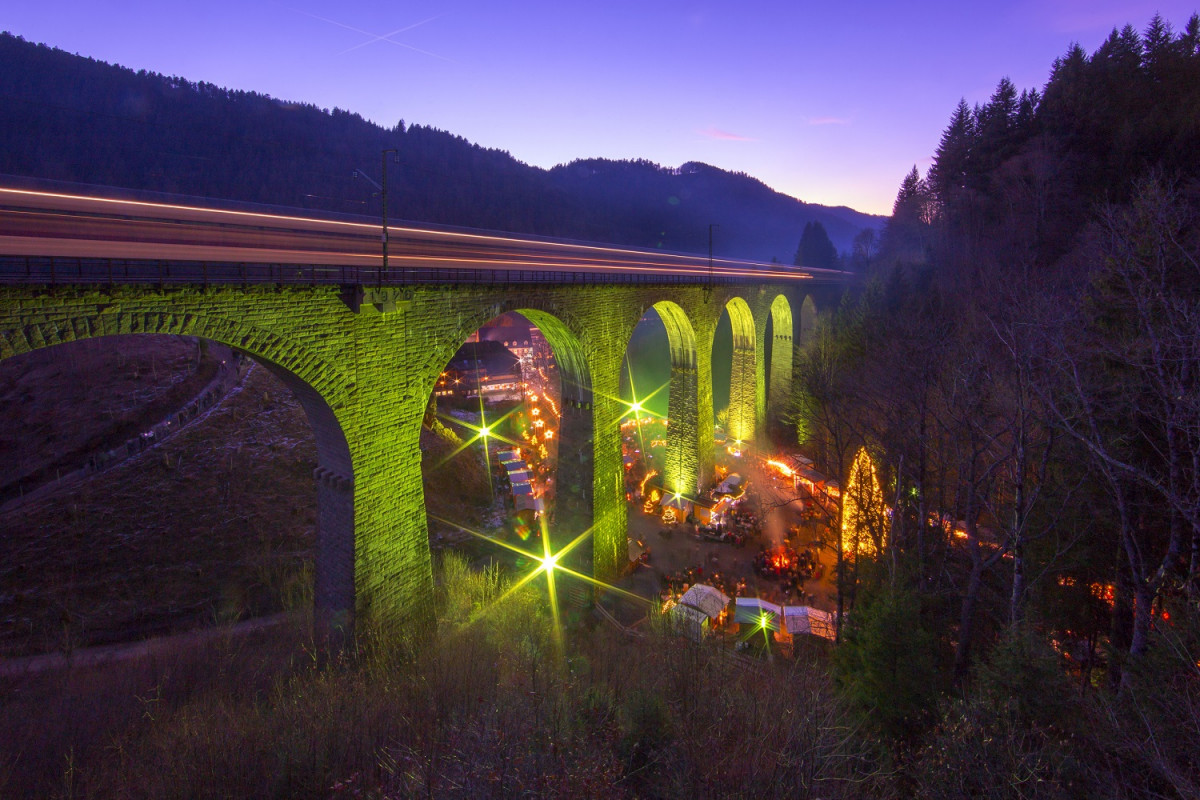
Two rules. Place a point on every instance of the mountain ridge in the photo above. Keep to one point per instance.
(73, 118)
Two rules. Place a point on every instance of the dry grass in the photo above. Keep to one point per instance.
(498, 706)
(60, 405)
(213, 525)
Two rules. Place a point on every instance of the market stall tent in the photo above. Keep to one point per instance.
(755, 611)
(805, 619)
(689, 621)
(705, 598)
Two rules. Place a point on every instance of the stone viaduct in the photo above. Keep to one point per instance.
(364, 368)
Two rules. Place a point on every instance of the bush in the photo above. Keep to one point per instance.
(887, 667)
(1018, 735)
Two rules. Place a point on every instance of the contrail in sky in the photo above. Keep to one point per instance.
(373, 38)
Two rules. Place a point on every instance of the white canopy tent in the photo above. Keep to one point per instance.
(688, 620)
(805, 619)
(705, 598)
(754, 611)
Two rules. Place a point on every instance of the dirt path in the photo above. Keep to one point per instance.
(60, 406)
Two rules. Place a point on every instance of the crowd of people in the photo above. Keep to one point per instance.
(676, 584)
(742, 524)
(790, 568)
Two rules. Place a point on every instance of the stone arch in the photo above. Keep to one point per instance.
(318, 385)
(682, 470)
(575, 472)
(808, 320)
(559, 332)
(779, 375)
(743, 376)
(574, 477)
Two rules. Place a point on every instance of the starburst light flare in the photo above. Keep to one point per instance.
(550, 563)
(485, 431)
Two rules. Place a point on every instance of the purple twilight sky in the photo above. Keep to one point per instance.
(831, 103)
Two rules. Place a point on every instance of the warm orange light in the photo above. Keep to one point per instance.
(1104, 591)
(863, 508)
(784, 468)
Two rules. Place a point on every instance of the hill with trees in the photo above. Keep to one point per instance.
(1024, 370)
(69, 118)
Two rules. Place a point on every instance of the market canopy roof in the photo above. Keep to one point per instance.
(705, 598)
(689, 621)
(755, 611)
(811, 475)
(806, 619)
(527, 502)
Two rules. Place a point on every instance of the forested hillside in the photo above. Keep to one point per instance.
(65, 117)
(1024, 371)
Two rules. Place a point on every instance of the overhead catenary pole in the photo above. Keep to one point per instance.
(382, 187)
(383, 195)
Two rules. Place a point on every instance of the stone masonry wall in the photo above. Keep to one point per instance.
(364, 378)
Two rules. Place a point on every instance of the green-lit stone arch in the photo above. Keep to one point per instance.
(574, 477)
(320, 387)
(575, 473)
(743, 375)
(560, 334)
(779, 377)
(682, 470)
(808, 320)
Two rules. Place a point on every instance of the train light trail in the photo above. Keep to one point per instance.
(48, 224)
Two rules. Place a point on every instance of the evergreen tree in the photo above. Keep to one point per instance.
(1189, 40)
(906, 235)
(996, 126)
(1159, 46)
(1121, 51)
(951, 168)
(816, 250)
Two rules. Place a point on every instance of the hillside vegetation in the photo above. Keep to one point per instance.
(1024, 370)
(68, 118)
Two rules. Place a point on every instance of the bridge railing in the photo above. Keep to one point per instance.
(56, 271)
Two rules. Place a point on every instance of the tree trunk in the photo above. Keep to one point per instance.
(1142, 607)
(962, 651)
(1016, 606)
(1121, 628)
(1193, 581)
(840, 577)
(893, 534)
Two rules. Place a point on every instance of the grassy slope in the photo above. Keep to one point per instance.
(214, 524)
